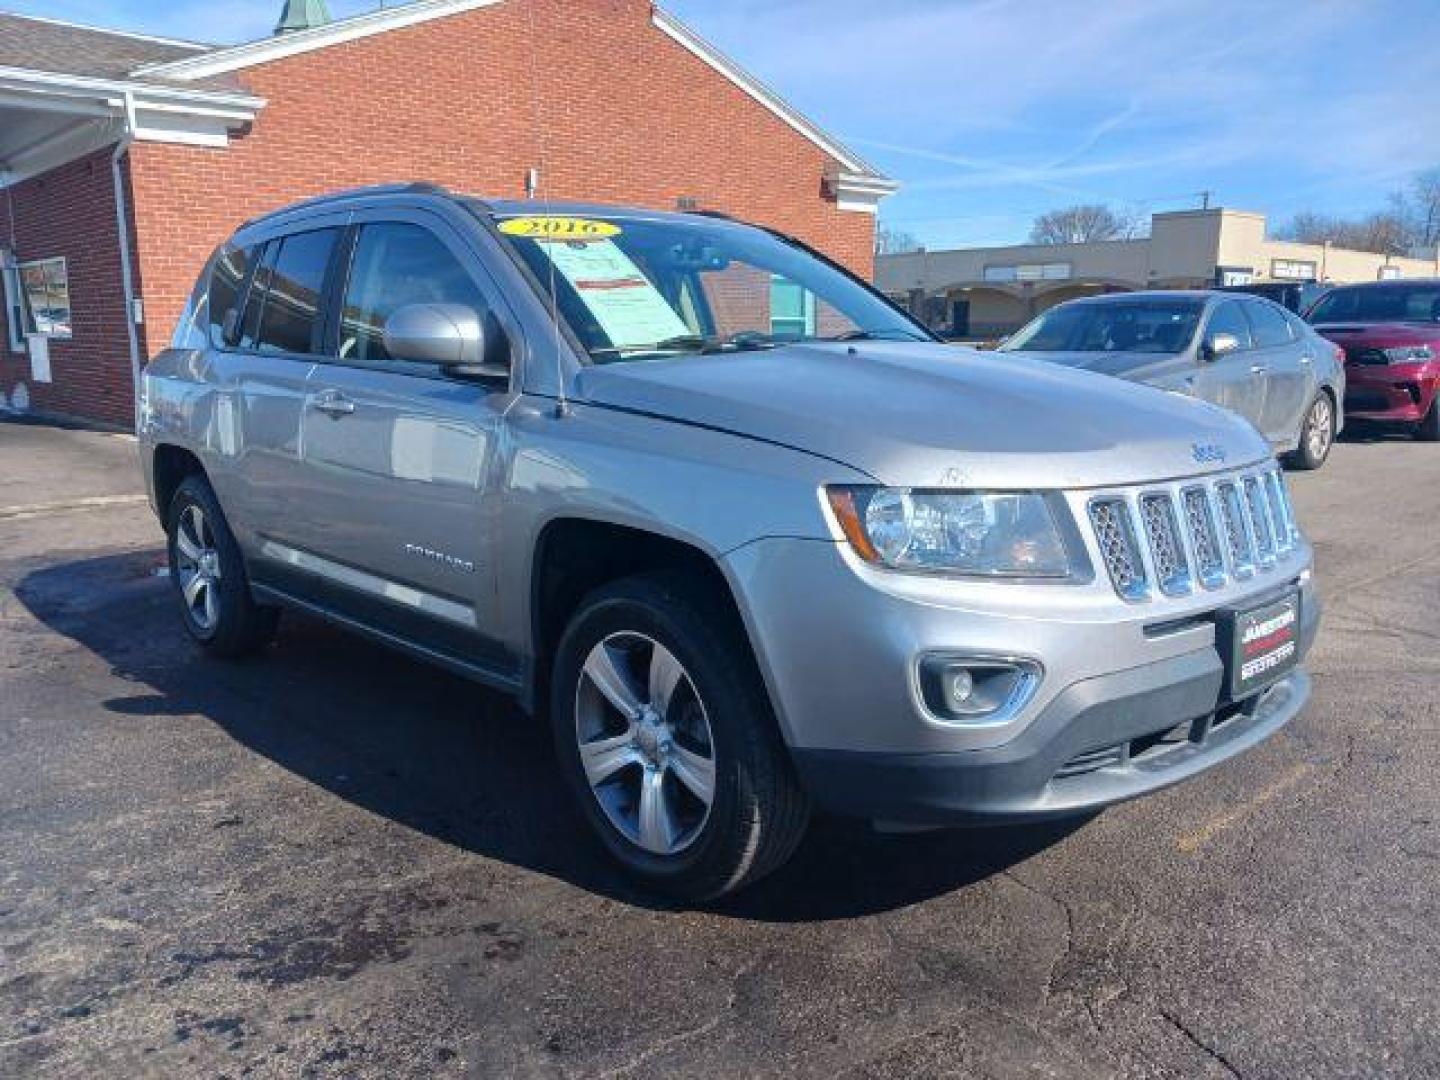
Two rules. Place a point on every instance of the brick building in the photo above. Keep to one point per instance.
(124, 159)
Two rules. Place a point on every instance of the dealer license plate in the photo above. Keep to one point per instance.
(1264, 645)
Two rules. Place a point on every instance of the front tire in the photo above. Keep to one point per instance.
(209, 576)
(667, 740)
(1317, 435)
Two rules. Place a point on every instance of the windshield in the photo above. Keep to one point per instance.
(1148, 327)
(1379, 303)
(648, 288)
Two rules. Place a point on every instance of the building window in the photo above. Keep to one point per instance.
(792, 310)
(1389, 273)
(1292, 270)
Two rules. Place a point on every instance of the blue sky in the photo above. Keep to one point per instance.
(993, 111)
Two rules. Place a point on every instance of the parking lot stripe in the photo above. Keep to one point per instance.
(94, 502)
(1190, 842)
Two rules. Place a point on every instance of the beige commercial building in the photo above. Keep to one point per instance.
(986, 292)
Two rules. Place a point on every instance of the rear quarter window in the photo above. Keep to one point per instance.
(227, 283)
(1269, 324)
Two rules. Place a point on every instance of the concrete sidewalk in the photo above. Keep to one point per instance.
(47, 467)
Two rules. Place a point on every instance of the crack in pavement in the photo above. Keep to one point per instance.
(1199, 1043)
(1069, 947)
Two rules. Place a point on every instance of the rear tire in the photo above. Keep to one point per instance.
(1428, 429)
(209, 576)
(1317, 435)
(656, 701)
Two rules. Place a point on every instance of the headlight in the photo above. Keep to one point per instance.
(991, 533)
(1408, 354)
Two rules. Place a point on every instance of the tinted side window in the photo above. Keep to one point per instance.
(227, 280)
(289, 320)
(1269, 325)
(397, 263)
(1227, 318)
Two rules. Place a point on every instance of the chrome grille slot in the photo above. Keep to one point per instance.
(1237, 535)
(1280, 511)
(1204, 539)
(1115, 534)
(1167, 549)
(1260, 521)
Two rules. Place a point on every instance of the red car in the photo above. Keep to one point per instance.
(1390, 331)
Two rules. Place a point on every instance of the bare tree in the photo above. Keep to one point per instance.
(892, 241)
(1424, 203)
(1410, 220)
(1385, 232)
(1079, 225)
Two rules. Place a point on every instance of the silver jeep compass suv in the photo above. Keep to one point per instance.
(747, 537)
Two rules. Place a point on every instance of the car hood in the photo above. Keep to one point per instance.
(933, 415)
(1123, 365)
(1380, 335)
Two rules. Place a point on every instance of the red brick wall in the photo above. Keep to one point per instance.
(628, 116)
(70, 211)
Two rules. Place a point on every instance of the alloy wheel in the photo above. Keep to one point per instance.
(1320, 429)
(645, 742)
(197, 565)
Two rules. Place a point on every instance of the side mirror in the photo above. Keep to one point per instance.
(450, 335)
(1217, 346)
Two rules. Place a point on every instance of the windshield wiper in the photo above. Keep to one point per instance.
(680, 343)
(874, 335)
(744, 341)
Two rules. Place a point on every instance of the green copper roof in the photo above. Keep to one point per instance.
(302, 15)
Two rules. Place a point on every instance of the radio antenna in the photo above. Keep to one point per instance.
(537, 184)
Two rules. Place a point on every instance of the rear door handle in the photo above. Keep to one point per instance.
(1258, 369)
(333, 404)
(1307, 359)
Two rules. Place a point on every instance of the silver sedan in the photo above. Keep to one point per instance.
(1242, 352)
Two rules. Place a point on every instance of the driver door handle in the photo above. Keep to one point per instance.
(1258, 369)
(1307, 359)
(333, 404)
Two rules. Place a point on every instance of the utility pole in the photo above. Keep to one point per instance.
(1205, 199)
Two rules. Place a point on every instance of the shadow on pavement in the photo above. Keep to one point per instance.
(1370, 431)
(440, 755)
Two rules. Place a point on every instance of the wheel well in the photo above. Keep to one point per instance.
(574, 557)
(172, 465)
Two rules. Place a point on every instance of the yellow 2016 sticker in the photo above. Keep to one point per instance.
(559, 228)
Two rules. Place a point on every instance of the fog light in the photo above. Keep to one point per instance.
(977, 689)
(959, 687)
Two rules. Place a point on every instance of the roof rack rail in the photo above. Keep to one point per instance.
(719, 215)
(412, 187)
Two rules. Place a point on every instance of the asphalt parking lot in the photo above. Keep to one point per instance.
(334, 861)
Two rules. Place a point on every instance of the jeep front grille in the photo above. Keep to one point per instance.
(1201, 534)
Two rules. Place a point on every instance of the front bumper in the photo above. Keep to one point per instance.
(1401, 393)
(1101, 742)
(1131, 697)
